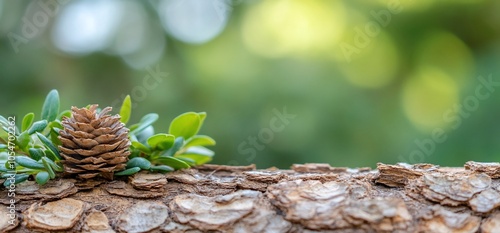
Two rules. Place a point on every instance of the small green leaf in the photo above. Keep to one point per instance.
(128, 172)
(134, 153)
(146, 121)
(38, 126)
(202, 115)
(189, 161)
(199, 150)
(50, 107)
(200, 140)
(126, 110)
(27, 162)
(48, 168)
(161, 141)
(53, 164)
(27, 121)
(49, 145)
(144, 134)
(54, 136)
(23, 140)
(197, 159)
(55, 125)
(50, 154)
(141, 147)
(139, 162)
(198, 154)
(36, 153)
(18, 179)
(173, 162)
(42, 177)
(162, 168)
(3, 146)
(176, 147)
(185, 125)
(63, 114)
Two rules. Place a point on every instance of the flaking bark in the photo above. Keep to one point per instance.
(307, 198)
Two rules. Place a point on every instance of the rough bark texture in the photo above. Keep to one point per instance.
(308, 198)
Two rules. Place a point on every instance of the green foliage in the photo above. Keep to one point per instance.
(126, 109)
(51, 106)
(164, 152)
(33, 146)
(37, 155)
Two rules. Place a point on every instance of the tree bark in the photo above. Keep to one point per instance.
(307, 198)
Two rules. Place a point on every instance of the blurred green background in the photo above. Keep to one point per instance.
(366, 81)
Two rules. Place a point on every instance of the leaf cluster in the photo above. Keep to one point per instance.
(180, 148)
(34, 145)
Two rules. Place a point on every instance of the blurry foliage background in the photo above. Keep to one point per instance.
(239, 60)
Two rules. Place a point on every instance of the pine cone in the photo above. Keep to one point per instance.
(93, 144)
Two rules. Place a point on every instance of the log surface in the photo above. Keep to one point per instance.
(307, 198)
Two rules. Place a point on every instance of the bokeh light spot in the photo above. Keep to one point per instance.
(375, 66)
(194, 21)
(444, 51)
(427, 96)
(86, 26)
(281, 27)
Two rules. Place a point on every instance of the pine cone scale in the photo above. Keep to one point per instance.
(85, 142)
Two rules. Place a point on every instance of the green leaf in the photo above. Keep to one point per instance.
(139, 162)
(50, 154)
(199, 150)
(18, 179)
(198, 154)
(176, 147)
(38, 126)
(202, 115)
(49, 145)
(128, 172)
(197, 159)
(53, 164)
(141, 147)
(162, 168)
(126, 110)
(36, 153)
(200, 140)
(23, 140)
(27, 162)
(55, 125)
(134, 153)
(173, 162)
(189, 161)
(146, 121)
(3, 146)
(54, 136)
(144, 134)
(42, 177)
(161, 141)
(185, 125)
(48, 168)
(50, 107)
(27, 121)
(63, 114)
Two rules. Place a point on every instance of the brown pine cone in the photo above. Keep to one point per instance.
(93, 143)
